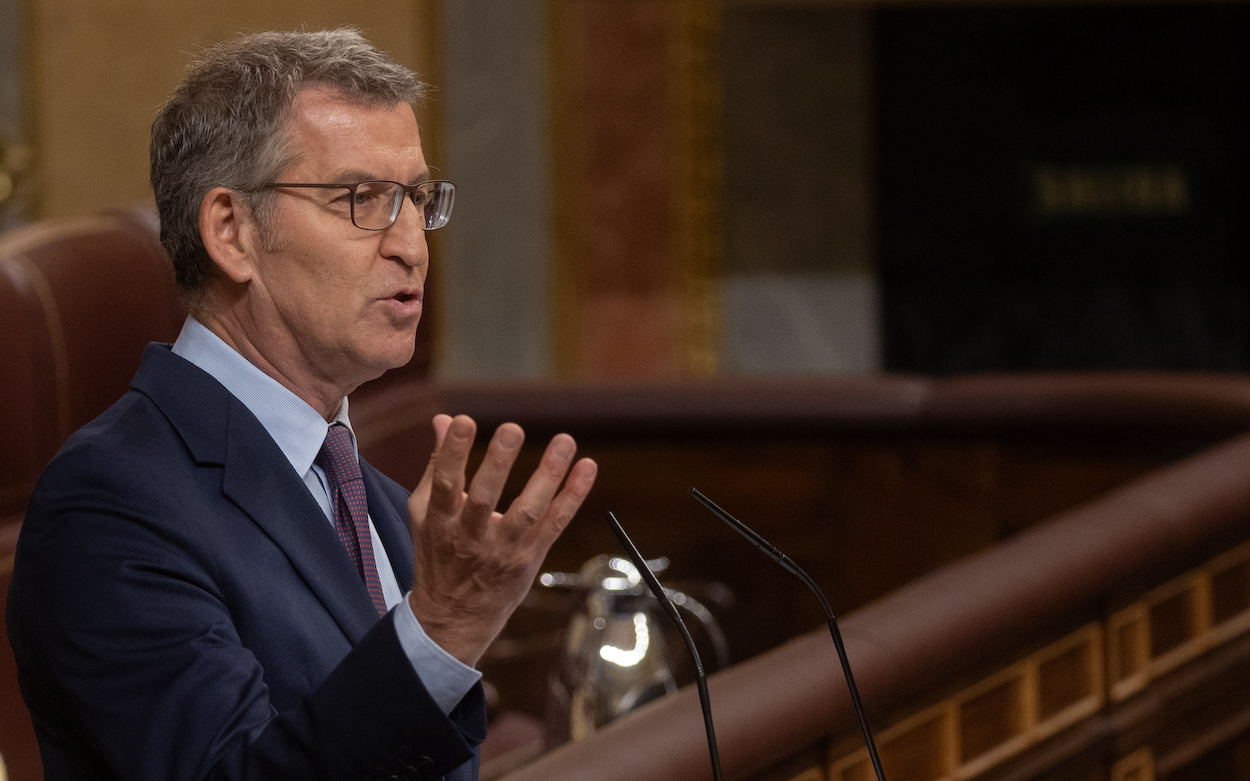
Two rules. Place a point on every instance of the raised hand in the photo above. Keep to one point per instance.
(474, 564)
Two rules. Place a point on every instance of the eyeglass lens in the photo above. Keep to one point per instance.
(376, 205)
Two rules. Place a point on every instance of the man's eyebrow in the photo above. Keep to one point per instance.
(351, 176)
(354, 175)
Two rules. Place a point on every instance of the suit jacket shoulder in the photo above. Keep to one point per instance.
(179, 608)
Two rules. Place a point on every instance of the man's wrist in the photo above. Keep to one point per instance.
(452, 633)
(445, 676)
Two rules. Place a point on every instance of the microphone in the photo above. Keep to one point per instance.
(771, 552)
(670, 610)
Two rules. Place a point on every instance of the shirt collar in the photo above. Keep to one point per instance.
(297, 428)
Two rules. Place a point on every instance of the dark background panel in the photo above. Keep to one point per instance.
(975, 105)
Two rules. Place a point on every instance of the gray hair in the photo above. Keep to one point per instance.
(224, 126)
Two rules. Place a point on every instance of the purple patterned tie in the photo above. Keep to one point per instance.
(351, 509)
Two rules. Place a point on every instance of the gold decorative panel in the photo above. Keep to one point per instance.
(996, 718)
(1179, 620)
(1059, 685)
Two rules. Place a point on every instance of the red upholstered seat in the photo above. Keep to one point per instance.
(79, 299)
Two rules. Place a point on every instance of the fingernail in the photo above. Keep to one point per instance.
(564, 449)
(509, 437)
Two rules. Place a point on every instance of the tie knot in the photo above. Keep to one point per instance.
(338, 457)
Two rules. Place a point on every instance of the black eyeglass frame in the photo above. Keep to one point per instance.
(442, 216)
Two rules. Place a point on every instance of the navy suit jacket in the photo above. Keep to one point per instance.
(180, 609)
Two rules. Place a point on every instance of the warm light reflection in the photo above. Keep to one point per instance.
(628, 658)
(626, 568)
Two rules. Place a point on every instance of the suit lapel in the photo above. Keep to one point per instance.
(258, 479)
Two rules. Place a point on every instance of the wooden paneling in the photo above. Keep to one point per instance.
(1177, 621)
(994, 719)
(1014, 708)
(102, 68)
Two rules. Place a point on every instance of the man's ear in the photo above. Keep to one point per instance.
(228, 231)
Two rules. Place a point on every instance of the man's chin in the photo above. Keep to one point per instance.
(397, 354)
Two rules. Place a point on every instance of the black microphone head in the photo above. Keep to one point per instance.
(767, 549)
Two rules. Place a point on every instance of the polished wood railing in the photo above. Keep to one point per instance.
(1109, 642)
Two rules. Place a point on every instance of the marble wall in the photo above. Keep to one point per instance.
(492, 272)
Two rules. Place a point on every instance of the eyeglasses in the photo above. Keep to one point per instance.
(375, 204)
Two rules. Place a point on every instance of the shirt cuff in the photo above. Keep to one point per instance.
(446, 678)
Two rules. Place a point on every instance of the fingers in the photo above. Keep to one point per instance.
(539, 501)
(441, 488)
(475, 565)
(441, 424)
(492, 474)
(447, 467)
(420, 499)
(569, 500)
(542, 503)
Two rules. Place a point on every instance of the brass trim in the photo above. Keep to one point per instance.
(1135, 620)
(1186, 586)
(1033, 729)
(1091, 637)
(1195, 585)
(1239, 623)
(1015, 674)
(1105, 648)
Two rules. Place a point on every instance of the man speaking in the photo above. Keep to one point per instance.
(209, 582)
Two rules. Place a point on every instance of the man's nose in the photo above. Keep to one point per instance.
(405, 239)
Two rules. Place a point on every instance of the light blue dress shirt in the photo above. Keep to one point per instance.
(299, 431)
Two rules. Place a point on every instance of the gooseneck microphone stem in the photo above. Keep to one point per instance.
(768, 550)
(859, 707)
(671, 611)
